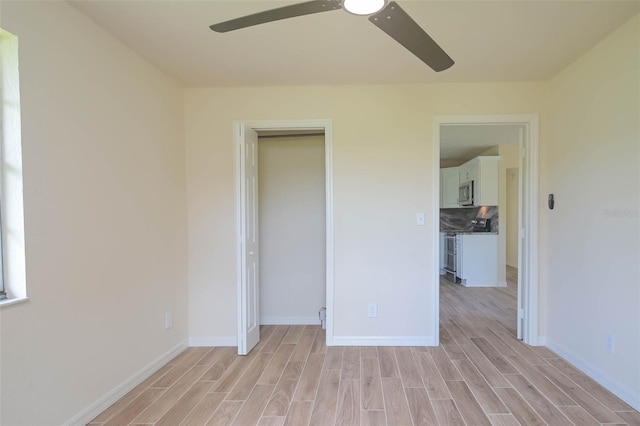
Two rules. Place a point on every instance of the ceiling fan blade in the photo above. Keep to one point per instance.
(299, 9)
(398, 24)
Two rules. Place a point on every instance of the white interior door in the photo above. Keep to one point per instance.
(521, 234)
(249, 294)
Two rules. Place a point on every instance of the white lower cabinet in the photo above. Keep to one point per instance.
(477, 260)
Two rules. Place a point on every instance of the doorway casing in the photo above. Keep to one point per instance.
(528, 232)
(287, 125)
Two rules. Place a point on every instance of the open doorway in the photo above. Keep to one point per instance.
(475, 229)
(248, 232)
(474, 155)
(291, 201)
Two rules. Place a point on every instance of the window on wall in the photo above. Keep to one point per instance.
(3, 293)
(12, 253)
(5, 45)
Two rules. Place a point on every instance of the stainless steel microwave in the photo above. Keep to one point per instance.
(465, 194)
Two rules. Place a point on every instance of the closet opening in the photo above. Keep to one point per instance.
(292, 207)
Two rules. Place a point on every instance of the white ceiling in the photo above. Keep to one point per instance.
(459, 143)
(489, 40)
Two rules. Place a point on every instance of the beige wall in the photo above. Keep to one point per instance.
(591, 241)
(382, 170)
(494, 150)
(104, 194)
(105, 217)
(292, 229)
(511, 216)
(445, 164)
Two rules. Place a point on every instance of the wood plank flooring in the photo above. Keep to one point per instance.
(480, 375)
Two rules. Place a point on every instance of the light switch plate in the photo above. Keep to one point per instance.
(420, 219)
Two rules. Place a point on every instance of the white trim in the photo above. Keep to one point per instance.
(213, 341)
(239, 163)
(542, 341)
(623, 392)
(13, 249)
(384, 341)
(328, 166)
(502, 284)
(530, 285)
(16, 301)
(312, 320)
(435, 224)
(92, 411)
(313, 124)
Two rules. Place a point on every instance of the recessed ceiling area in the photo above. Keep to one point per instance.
(488, 40)
(459, 143)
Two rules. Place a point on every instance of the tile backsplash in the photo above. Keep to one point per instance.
(458, 219)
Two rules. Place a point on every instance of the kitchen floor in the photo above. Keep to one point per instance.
(480, 375)
(496, 303)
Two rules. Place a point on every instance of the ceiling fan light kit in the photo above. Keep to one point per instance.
(364, 7)
(384, 14)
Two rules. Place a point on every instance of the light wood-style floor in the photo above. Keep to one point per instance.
(480, 375)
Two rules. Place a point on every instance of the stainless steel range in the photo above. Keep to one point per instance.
(480, 224)
(450, 255)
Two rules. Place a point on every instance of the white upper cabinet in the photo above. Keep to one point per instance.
(469, 171)
(483, 171)
(449, 183)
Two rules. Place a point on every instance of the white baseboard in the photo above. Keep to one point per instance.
(213, 341)
(484, 285)
(312, 320)
(624, 393)
(383, 341)
(91, 412)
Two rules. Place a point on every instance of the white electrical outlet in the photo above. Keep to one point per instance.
(372, 310)
(610, 343)
(168, 319)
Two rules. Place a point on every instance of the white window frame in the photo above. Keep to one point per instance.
(12, 241)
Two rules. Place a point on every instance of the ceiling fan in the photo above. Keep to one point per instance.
(386, 15)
